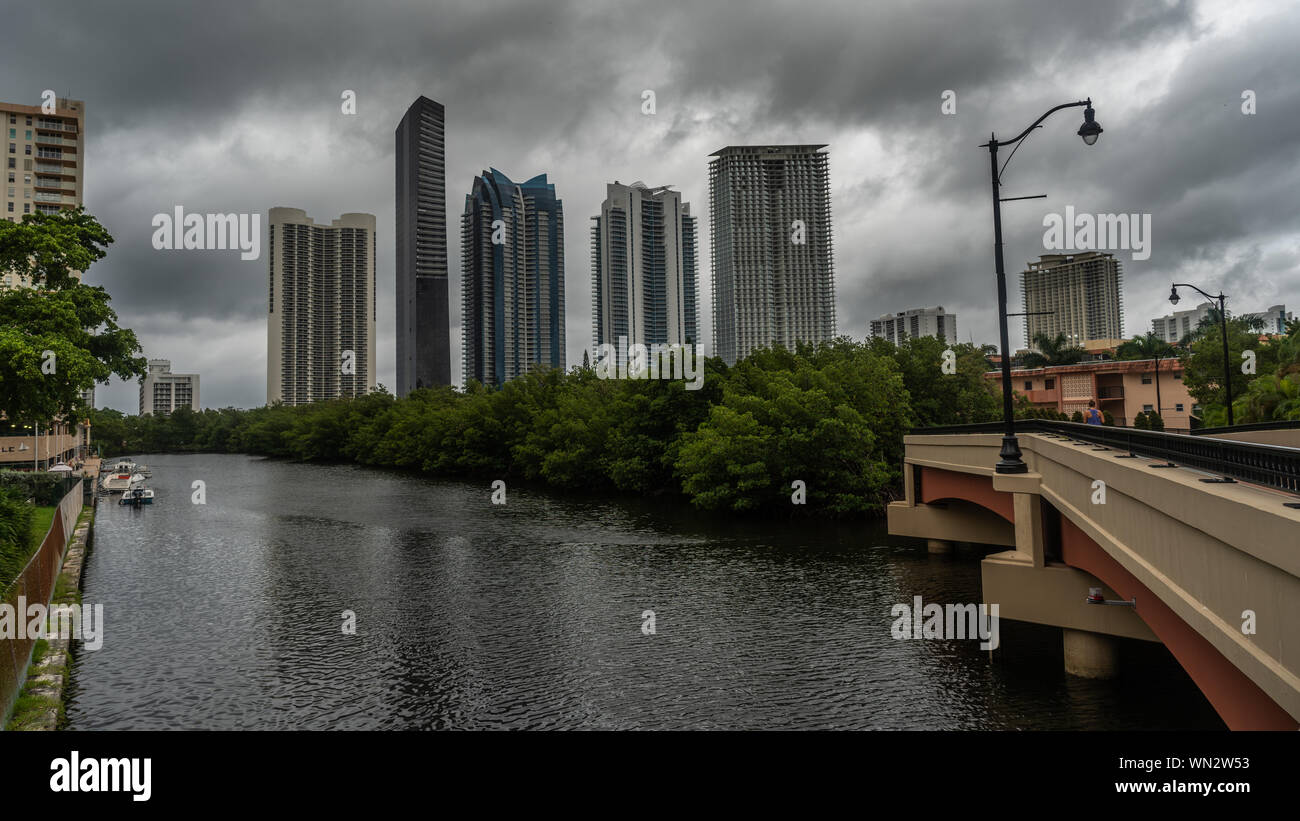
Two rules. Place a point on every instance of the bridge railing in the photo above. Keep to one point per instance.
(1269, 465)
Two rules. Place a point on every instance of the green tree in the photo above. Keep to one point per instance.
(1202, 361)
(939, 398)
(1272, 396)
(1051, 351)
(59, 338)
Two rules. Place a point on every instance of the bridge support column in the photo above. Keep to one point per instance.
(1028, 510)
(938, 546)
(1090, 655)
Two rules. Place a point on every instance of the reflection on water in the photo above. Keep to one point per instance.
(229, 616)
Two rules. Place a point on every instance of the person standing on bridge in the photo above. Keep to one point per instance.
(1092, 416)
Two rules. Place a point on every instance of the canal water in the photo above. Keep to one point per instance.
(230, 614)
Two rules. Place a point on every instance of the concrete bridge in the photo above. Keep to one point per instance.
(1201, 534)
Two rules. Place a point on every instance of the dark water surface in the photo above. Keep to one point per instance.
(228, 616)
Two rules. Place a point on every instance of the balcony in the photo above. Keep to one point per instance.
(1110, 392)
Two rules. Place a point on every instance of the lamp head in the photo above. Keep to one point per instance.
(1090, 130)
(1173, 294)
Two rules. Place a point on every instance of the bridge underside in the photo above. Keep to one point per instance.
(1196, 557)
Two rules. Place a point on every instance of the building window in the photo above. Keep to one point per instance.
(1146, 379)
(1147, 408)
(1029, 385)
(1049, 384)
(27, 149)
(1179, 407)
(29, 133)
(13, 133)
(27, 208)
(11, 207)
(13, 148)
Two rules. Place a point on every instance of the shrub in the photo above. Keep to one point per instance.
(16, 517)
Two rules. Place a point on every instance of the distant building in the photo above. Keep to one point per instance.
(1124, 388)
(320, 327)
(1078, 295)
(512, 282)
(1272, 321)
(644, 277)
(423, 301)
(916, 322)
(1173, 327)
(773, 266)
(162, 391)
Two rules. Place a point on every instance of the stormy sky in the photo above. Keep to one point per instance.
(235, 107)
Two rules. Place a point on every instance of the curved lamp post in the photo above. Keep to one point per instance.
(1223, 327)
(1089, 131)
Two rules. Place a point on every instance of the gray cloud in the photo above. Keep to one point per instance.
(235, 107)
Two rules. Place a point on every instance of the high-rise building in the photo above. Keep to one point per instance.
(512, 247)
(1078, 295)
(162, 391)
(320, 330)
(44, 162)
(915, 323)
(44, 167)
(423, 329)
(1173, 327)
(644, 279)
(773, 270)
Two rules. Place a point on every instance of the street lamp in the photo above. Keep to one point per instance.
(1223, 327)
(1089, 131)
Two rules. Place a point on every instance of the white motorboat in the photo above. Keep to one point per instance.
(118, 478)
(137, 493)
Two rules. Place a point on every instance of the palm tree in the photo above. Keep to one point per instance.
(1147, 347)
(1052, 352)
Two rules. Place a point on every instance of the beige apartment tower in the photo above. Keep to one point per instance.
(1078, 295)
(44, 162)
(320, 332)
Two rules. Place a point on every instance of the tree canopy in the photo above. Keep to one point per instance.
(59, 337)
(1051, 351)
(831, 417)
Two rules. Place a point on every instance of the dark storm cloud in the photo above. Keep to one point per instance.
(235, 108)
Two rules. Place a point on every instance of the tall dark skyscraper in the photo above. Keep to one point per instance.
(423, 331)
(512, 283)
